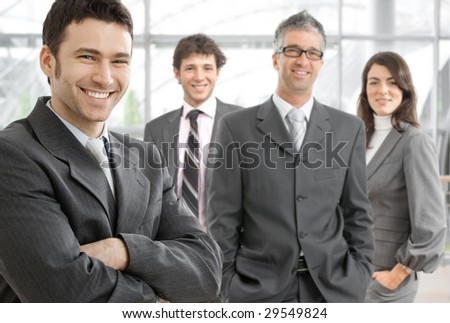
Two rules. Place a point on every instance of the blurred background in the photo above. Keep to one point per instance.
(356, 29)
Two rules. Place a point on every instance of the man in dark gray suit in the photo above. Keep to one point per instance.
(74, 228)
(291, 214)
(197, 62)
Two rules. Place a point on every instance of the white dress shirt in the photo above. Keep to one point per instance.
(284, 107)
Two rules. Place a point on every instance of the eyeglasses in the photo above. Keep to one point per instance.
(312, 54)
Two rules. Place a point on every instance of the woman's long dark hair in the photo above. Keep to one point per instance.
(406, 111)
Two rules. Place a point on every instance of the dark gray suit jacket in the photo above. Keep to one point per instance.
(163, 132)
(407, 201)
(54, 197)
(265, 205)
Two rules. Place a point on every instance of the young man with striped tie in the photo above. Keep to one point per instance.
(183, 135)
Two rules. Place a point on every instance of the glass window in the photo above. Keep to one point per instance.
(235, 17)
(23, 17)
(326, 88)
(445, 18)
(20, 79)
(387, 17)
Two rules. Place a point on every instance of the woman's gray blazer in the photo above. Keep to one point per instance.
(407, 202)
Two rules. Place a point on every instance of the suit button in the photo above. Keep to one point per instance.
(302, 235)
(300, 198)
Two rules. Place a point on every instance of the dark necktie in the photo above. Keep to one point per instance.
(192, 165)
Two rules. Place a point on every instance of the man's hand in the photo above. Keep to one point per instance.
(111, 251)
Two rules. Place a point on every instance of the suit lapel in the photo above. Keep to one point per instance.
(383, 152)
(220, 112)
(132, 190)
(171, 136)
(318, 124)
(273, 126)
(61, 143)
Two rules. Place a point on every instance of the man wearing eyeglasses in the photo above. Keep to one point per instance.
(287, 201)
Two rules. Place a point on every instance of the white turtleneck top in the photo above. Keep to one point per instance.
(383, 126)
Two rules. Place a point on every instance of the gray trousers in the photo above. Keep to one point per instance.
(405, 293)
(303, 290)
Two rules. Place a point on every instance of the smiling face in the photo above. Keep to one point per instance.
(383, 93)
(296, 75)
(197, 75)
(90, 74)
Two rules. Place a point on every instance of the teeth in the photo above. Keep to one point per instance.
(97, 95)
(300, 73)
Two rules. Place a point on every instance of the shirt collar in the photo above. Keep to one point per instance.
(208, 107)
(80, 135)
(284, 107)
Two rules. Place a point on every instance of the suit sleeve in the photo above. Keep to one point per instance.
(425, 246)
(224, 203)
(358, 230)
(182, 263)
(40, 255)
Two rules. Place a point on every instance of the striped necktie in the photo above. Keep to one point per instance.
(192, 165)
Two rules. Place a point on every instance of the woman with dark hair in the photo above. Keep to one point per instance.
(403, 181)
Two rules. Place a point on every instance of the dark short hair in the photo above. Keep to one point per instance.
(197, 44)
(406, 111)
(64, 12)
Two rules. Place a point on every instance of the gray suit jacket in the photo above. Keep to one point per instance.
(54, 197)
(407, 202)
(265, 205)
(163, 132)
